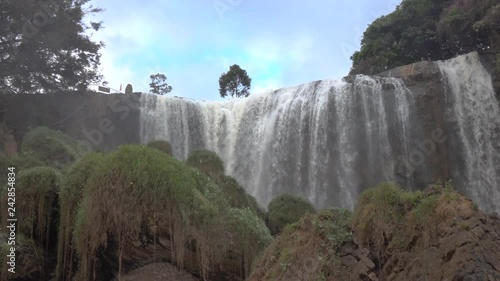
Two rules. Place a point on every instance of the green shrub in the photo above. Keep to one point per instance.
(389, 216)
(250, 234)
(380, 212)
(286, 209)
(54, 148)
(333, 225)
(71, 193)
(308, 248)
(138, 181)
(163, 146)
(20, 162)
(30, 260)
(37, 212)
(238, 197)
(208, 162)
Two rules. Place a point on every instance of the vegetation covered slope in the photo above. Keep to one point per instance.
(286, 209)
(111, 213)
(53, 147)
(210, 163)
(70, 195)
(428, 30)
(307, 249)
(141, 196)
(436, 234)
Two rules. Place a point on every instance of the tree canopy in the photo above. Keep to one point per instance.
(159, 84)
(235, 82)
(428, 30)
(45, 46)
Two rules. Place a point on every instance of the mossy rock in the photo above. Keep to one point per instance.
(308, 249)
(163, 146)
(37, 217)
(208, 162)
(53, 147)
(70, 196)
(138, 182)
(286, 209)
(238, 197)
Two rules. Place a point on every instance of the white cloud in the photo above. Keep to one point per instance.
(300, 51)
(279, 44)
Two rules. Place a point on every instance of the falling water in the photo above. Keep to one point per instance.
(474, 125)
(325, 140)
(329, 140)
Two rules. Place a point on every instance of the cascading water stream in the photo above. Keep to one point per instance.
(474, 123)
(329, 140)
(325, 140)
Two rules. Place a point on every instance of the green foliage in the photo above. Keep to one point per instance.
(139, 182)
(44, 52)
(54, 148)
(308, 249)
(235, 82)
(20, 162)
(163, 146)
(208, 162)
(426, 30)
(159, 84)
(211, 164)
(381, 211)
(70, 196)
(286, 209)
(250, 233)
(387, 215)
(37, 215)
(237, 196)
(333, 226)
(30, 260)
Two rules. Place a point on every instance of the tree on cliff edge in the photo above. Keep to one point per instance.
(159, 84)
(44, 46)
(235, 82)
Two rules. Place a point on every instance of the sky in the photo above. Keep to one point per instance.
(279, 43)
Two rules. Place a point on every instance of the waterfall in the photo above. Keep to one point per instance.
(473, 122)
(329, 140)
(325, 141)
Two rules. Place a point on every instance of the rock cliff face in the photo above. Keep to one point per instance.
(414, 125)
(101, 121)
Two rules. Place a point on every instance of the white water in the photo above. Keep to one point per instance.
(473, 114)
(329, 140)
(325, 140)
